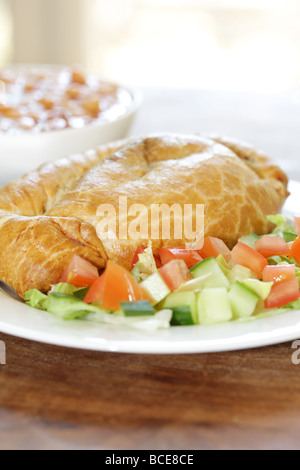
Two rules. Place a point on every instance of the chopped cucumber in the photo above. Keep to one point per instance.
(250, 240)
(182, 299)
(214, 306)
(182, 316)
(137, 309)
(262, 289)
(80, 294)
(243, 301)
(193, 285)
(240, 273)
(210, 266)
(156, 287)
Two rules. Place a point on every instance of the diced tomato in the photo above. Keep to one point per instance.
(283, 293)
(190, 257)
(80, 273)
(272, 246)
(138, 252)
(246, 256)
(278, 274)
(96, 291)
(175, 274)
(297, 225)
(295, 250)
(158, 261)
(213, 247)
(117, 286)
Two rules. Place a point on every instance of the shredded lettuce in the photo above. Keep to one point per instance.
(283, 228)
(69, 289)
(280, 260)
(36, 299)
(294, 305)
(65, 301)
(160, 321)
(266, 314)
(223, 264)
(146, 265)
(250, 240)
(64, 288)
(67, 307)
(60, 302)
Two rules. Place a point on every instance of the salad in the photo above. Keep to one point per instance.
(180, 287)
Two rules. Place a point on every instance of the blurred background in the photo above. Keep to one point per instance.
(246, 45)
(223, 66)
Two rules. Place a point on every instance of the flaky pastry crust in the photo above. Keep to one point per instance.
(48, 215)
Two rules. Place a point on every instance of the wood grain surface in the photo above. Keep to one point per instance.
(57, 398)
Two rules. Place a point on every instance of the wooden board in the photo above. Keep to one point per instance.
(56, 398)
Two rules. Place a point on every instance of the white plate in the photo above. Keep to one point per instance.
(19, 320)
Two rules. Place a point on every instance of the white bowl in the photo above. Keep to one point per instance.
(23, 153)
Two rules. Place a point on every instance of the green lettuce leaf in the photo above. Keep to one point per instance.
(223, 264)
(68, 289)
(60, 303)
(294, 305)
(36, 299)
(69, 308)
(64, 288)
(283, 228)
(145, 266)
(266, 314)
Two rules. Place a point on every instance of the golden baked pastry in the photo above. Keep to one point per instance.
(48, 215)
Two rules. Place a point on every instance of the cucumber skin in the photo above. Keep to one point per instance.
(137, 309)
(182, 316)
(194, 269)
(183, 299)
